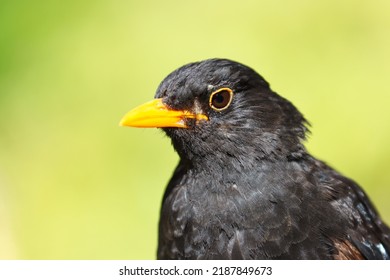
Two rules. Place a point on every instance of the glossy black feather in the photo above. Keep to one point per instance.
(246, 188)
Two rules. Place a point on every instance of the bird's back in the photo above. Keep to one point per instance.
(367, 236)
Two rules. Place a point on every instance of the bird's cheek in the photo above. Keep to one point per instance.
(192, 123)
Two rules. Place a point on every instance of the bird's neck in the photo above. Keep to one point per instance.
(240, 157)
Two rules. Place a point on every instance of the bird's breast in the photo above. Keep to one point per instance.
(255, 216)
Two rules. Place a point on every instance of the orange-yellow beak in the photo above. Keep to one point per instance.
(156, 114)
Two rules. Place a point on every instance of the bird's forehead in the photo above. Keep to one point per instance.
(181, 91)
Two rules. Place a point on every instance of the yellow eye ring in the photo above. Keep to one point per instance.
(221, 99)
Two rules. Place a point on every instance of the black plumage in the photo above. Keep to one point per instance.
(245, 186)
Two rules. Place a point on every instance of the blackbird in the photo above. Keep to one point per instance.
(245, 186)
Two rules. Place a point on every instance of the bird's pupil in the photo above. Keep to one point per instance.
(218, 99)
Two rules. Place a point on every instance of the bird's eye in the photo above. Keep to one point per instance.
(221, 99)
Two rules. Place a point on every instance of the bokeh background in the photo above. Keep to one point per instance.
(75, 185)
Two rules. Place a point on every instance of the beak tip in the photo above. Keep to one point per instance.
(121, 123)
(124, 122)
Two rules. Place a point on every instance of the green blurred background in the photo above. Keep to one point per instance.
(75, 185)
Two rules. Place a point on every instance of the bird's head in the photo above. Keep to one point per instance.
(217, 108)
